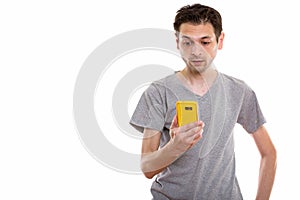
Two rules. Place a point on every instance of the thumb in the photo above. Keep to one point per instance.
(174, 122)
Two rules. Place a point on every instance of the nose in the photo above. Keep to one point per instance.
(197, 49)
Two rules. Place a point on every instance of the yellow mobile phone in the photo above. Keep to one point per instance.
(187, 112)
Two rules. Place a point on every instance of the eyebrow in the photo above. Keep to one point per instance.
(204, 37)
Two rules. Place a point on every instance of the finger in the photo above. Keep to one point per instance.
(189, 126)
(198, 135)
(173, 132)
(198, 130)
(196, 139)
(174, 123)
(201, 123)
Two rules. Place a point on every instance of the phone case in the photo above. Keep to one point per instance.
(187, 112)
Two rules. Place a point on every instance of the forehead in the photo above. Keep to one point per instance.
(197, 31)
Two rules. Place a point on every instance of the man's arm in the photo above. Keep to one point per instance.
(267, 165)
(155, 160)
(152, 161)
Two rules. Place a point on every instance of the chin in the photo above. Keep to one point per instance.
(199, 69)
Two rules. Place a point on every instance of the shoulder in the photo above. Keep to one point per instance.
(232, 80)
(236, 88)
(163, 83)
(165, 80)
(234, 83)
(159, 86)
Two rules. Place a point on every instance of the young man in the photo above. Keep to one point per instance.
(196, 161)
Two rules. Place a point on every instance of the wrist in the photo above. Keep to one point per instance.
(173, 150)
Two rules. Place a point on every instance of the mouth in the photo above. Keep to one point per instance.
(197, 62)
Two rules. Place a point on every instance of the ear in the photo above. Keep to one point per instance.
(221, 39)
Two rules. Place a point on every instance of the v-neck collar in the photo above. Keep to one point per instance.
(179, 82)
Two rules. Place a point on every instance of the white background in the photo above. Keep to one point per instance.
(43, 46)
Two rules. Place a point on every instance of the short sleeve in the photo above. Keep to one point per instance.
(150, 110)
(250, 116)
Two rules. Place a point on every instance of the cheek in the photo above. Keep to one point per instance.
(183, 53)
(212, 51)
(215, 48)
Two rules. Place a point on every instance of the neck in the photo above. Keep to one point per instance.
(199, 83)
(196, 78)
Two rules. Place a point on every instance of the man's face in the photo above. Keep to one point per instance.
(198, 45)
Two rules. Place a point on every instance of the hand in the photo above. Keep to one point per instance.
(184, 137)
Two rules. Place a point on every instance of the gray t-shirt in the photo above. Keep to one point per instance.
(207, 170)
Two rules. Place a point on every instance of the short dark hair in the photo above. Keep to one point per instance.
(199, 14)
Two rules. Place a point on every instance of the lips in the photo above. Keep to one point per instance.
(195, 59)
(197, 62)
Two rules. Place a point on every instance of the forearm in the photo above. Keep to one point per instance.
(154, 162)
(266, 177)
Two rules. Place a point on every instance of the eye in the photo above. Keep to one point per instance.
(187, 42)
(205, 43)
